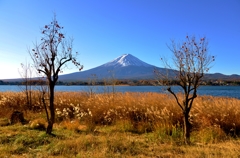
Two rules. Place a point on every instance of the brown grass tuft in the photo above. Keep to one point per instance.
(38, 124)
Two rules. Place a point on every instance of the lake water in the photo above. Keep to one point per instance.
(226, 91)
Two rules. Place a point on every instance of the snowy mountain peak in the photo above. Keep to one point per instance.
(127, 60)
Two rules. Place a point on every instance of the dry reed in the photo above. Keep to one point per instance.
(145, 112)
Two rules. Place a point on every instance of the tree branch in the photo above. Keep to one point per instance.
(170, 90)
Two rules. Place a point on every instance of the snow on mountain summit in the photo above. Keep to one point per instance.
(127, 60)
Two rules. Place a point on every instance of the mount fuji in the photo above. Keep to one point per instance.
(126, 66)
(126, 60)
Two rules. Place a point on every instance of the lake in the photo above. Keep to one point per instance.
(226, 91)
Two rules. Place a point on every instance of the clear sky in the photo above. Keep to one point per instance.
(105, 29)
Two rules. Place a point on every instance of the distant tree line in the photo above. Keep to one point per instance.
(123, 82)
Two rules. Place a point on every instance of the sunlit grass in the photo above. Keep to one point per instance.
(115, 124)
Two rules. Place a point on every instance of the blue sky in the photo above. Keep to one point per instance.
(105, 29)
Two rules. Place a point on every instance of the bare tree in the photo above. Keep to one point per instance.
(26, 73)
(92, 84)
(191, 61)
(112, 81)
(50, 58)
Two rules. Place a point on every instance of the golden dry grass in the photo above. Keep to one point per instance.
(125, 124)
(22, 141)
(149, 111)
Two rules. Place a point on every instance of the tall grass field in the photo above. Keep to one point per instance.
(119, 125)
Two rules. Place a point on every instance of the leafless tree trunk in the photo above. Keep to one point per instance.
(50, 58)
(26, 75)
(43, 90)
(191, 61)
(92, 84)
(113, 81)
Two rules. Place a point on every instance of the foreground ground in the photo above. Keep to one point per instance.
(22, 141)
(119, 125)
